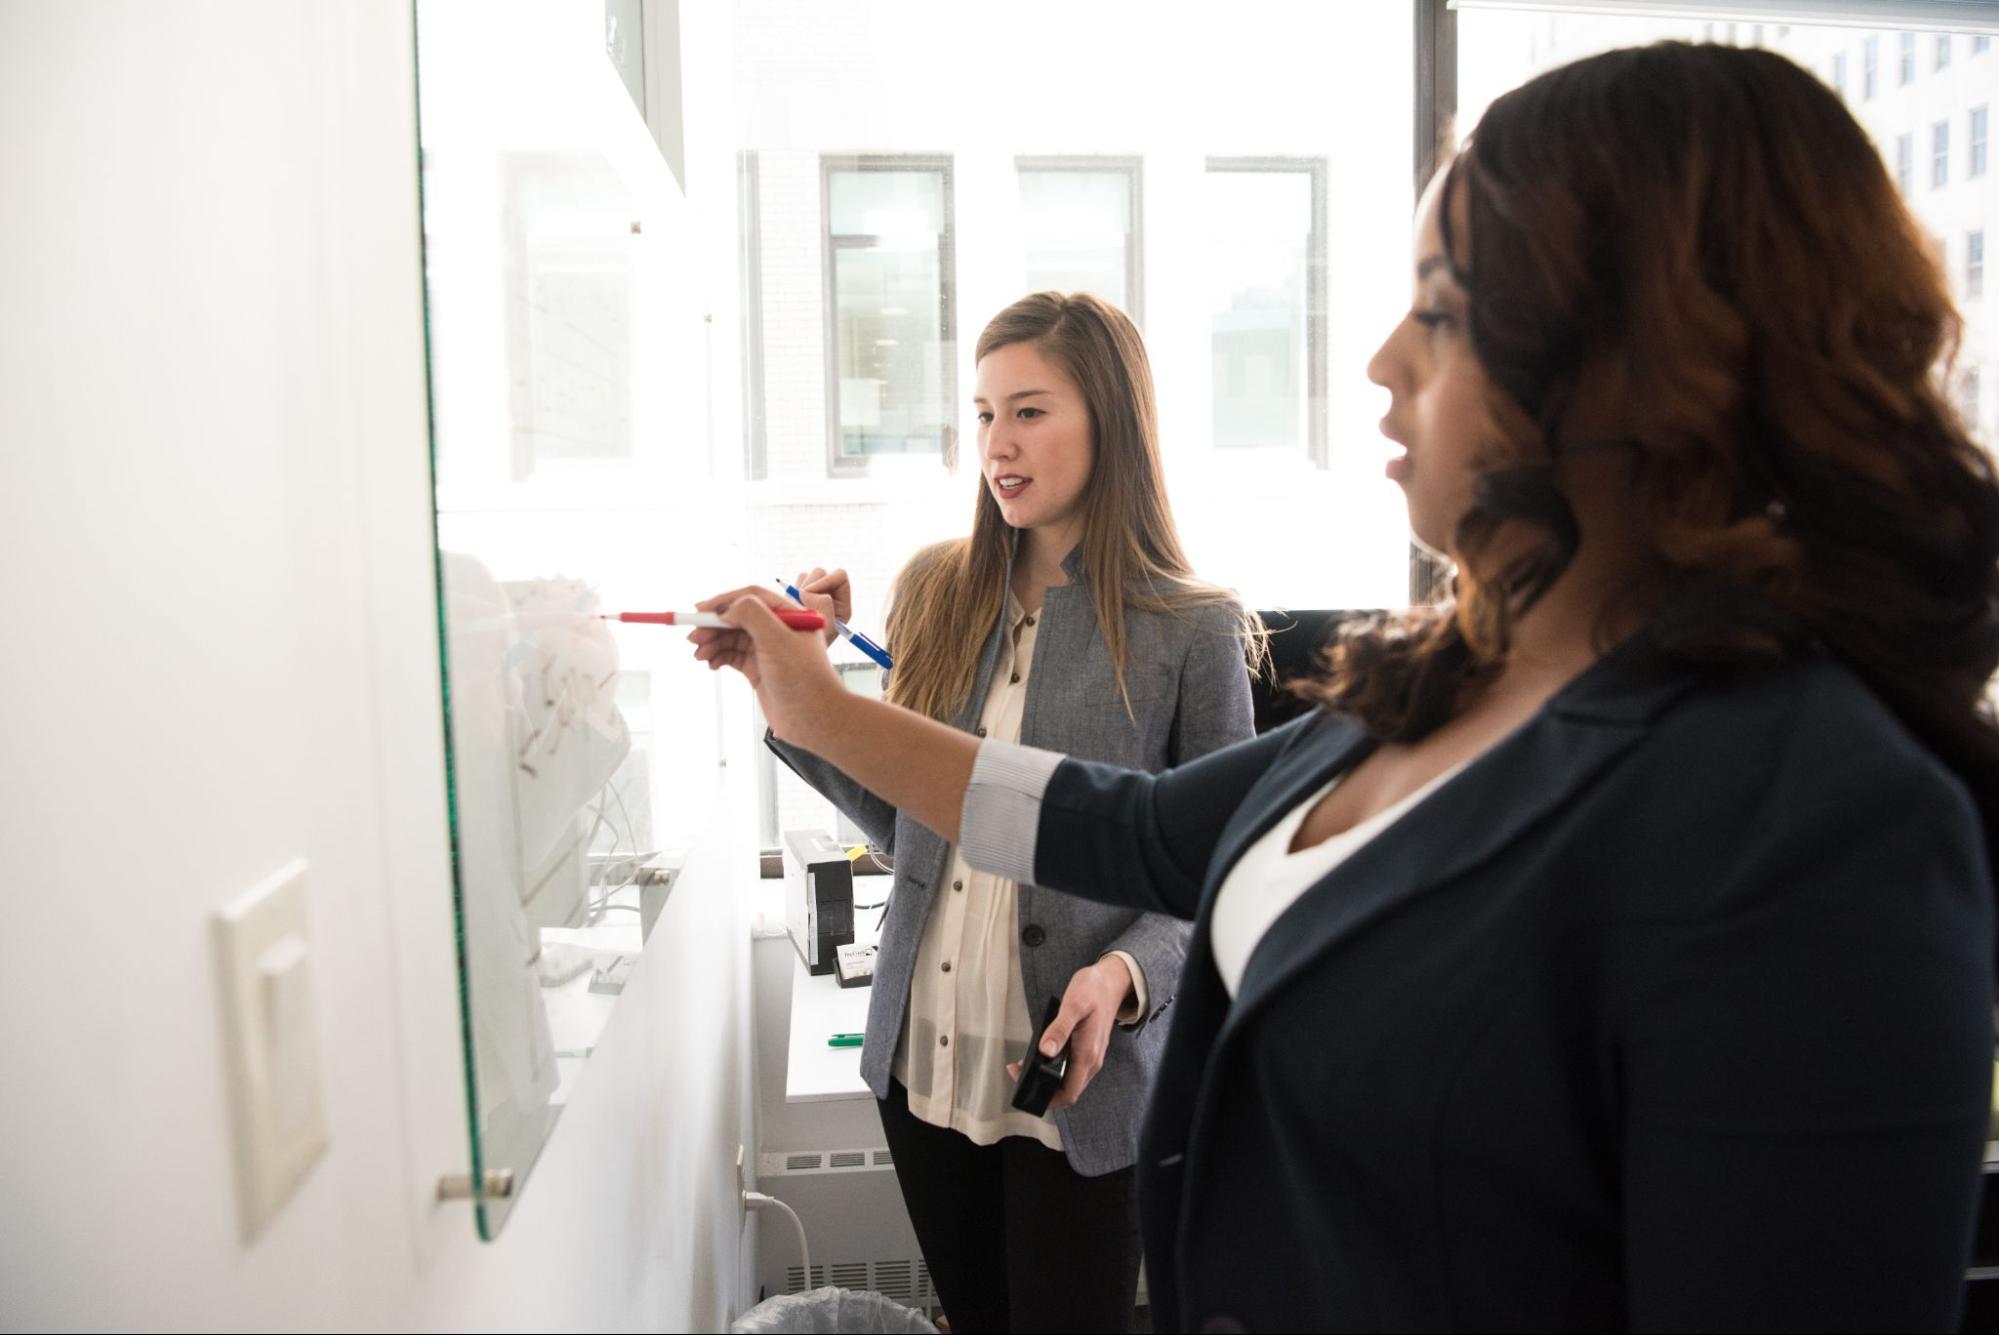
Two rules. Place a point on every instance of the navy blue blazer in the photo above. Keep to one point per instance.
(1673, 1011)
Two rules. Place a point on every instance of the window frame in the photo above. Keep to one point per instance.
(750, 330)
(1132, 167)
(1318, 249)
(839, 465)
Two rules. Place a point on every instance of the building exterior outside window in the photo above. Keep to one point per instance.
(1905, 161)
(1839, 74)
(891, 368)
(1939, 155)
(1943, 50)
(1870, 67)
(1266, 307)
(1980, 132)
(1079, 222)
(1974, 264)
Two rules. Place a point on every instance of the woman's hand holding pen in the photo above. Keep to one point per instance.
(795, 682)
(829, 593)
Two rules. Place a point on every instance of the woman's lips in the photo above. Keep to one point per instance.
(1397, 469)
(1007, 493)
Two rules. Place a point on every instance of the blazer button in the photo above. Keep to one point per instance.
(1034, 934)
(957, 885)
(1014, 680)
(1030, 621)
(980, 730)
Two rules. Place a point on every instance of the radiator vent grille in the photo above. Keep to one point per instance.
(883, 1158)
(891, 1279)
(798, 1163)
(848, 1159)
(794, 1274)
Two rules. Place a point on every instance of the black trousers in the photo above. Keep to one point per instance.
(1016, 1239)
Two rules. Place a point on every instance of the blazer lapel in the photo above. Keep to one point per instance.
(1525, 779)
(1310, 766)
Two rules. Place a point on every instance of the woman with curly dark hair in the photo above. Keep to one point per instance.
(1614, 949)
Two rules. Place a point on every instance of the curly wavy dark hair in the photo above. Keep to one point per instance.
(1700, 245)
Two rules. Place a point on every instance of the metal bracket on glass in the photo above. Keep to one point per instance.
(458, 1186)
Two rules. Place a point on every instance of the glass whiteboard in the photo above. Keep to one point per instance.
(573, 473)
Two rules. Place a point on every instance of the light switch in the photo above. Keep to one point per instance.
(265, 966)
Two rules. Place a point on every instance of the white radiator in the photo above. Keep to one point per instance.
(854, 1219)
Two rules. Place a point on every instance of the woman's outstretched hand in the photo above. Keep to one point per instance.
(794, 681)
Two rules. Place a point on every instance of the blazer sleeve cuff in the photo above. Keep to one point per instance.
(1001, 816)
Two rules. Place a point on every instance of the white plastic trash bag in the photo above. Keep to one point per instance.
(831, 1311)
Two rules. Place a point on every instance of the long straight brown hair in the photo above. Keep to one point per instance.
(947, 599)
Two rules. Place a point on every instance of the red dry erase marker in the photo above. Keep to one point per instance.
(797, 620)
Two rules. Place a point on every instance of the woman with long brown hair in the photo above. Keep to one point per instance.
(1615, 948)
(1069, 618)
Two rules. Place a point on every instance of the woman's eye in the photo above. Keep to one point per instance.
(1031, 412)
(1432, 320)
(985, 419)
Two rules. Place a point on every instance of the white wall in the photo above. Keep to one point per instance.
(219, 654)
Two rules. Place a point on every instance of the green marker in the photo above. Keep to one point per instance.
(845, 1041)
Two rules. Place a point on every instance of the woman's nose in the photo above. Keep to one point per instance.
(1379, 369)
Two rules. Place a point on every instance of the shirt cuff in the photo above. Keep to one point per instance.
(1001, 816)
(1133, 1010)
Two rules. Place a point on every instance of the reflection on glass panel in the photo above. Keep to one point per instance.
(1077, 224)
(1916, 115)
(567, 225)
(888, 236)
(1261, 239)
(580, 767)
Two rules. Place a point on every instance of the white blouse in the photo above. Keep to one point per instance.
(968, 1013)
(1268, 878)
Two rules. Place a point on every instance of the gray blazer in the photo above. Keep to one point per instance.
(1190, 695)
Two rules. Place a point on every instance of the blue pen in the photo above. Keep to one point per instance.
(854, 637)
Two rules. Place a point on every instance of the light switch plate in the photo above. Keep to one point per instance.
(264, 963)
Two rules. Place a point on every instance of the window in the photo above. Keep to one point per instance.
(1266, 308)
(892, 363)
(1943, 50)
(1967, 396)
(1079, 225)
(1908, 58)
(1839, 73)
(1939, 154)
(1974, 263)
(1981, 44)
(1980, 131)
(1905, 160)
(1870, 67)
